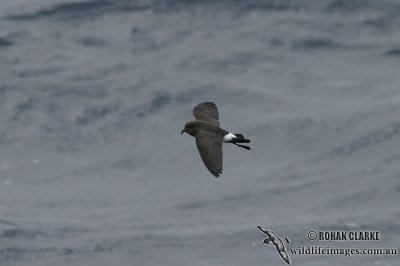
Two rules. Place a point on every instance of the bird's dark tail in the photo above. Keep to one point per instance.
(240, 139)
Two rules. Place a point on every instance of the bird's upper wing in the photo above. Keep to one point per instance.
(210, 149)
(264, 230)
(207, 111)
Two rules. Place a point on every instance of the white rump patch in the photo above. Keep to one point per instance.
(229, 137)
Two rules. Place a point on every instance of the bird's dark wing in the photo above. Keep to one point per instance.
(285, 256)
(210, 149)
(206, 111)
(264, 230)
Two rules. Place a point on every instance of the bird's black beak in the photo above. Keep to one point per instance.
(183, 130)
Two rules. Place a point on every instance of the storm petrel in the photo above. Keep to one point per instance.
(209, 136)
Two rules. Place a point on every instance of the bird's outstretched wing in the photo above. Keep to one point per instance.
(285, 256)
(206, 111)
(210, 149)
(265, 230)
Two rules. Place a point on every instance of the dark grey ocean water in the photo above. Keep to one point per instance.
(94, 94)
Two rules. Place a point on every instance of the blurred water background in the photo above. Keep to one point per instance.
(94, 94)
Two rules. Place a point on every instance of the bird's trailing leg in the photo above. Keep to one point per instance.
(242, 146)
(237, 138)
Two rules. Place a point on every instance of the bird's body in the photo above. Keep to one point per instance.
(204, 126)
(210, 136)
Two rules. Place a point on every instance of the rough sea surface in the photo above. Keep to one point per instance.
(94, 94)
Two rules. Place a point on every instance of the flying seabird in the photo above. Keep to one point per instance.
(209, 136)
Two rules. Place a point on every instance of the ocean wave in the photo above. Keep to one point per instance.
(18, 233)
(391, 225)
(395, 51)
(312, 43)
(249, 198)
(346, 5)
(157, 103)
(85, 9)
(243, 5)
(92, 41)
(5, 42)
(95, 8)
(13, 254)
(389, 20)
(94, 113)
(372, 138)
(189, 95)
(360, 5)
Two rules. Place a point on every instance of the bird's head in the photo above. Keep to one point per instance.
(190, 128)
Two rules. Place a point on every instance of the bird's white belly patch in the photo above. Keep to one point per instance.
(229, 137)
